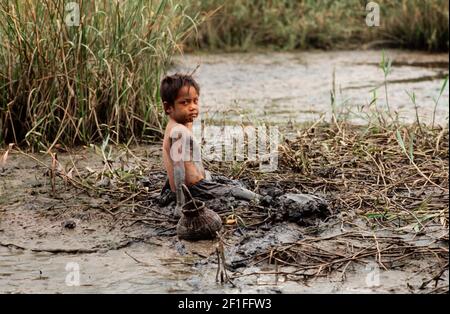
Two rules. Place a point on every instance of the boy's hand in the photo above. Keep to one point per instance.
(177, 211)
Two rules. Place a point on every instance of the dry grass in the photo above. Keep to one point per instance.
(393, 177)
(389, 175)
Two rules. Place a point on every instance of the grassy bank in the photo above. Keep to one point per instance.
(70, 84)
(287, 24)
(78, 84)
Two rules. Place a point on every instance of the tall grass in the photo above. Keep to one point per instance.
(286, 24)
(415, 24)
(299, 24)
(77, 84)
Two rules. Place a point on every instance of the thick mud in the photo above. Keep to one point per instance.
(44, 234)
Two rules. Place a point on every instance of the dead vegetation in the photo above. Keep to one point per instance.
(393, 178)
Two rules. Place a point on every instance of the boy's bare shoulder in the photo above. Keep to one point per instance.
(177, 130)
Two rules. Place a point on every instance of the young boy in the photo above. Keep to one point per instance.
(181, 152)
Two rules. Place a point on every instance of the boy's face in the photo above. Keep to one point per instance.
(185, 108)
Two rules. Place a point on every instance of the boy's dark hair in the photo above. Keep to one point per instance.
(171, 85)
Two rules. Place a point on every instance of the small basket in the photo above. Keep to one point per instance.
(197, 222)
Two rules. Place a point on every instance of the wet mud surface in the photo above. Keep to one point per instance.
(132, 247)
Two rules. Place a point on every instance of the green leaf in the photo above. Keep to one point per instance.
(412, 96)
(443, 86)
(400, 141)
(105, 143)
(374, 215)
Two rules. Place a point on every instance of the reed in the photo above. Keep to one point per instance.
(241, 25)
(69, 84)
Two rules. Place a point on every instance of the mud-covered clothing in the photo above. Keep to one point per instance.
(207, 189)
(304, 209)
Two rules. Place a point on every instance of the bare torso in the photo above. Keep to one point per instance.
(194, 171)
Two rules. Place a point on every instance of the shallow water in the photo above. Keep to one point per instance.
(282, 87)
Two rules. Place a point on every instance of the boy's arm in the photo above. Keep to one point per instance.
(179, 178)
(179, 139)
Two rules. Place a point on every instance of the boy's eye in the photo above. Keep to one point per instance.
(187, 102)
